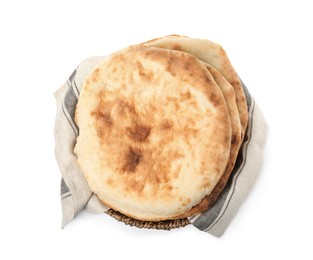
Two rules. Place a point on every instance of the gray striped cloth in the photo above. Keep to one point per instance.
(76, 194)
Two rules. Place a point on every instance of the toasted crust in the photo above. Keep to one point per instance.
(214, 55)
(155, 132)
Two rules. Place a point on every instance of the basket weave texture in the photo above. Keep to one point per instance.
(163, 225)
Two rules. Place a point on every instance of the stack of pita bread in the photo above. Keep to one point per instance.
(160, 126)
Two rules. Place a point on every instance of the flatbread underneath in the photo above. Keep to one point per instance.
(214, 55)
(230, 99)
(155, 132)
(217, 62)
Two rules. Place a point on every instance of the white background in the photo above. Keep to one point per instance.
(41, 42)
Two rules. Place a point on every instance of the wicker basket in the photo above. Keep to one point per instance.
(163, 225)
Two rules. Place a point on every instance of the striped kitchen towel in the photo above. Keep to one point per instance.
(76, 194)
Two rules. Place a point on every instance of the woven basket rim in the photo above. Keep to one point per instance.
(161, 225)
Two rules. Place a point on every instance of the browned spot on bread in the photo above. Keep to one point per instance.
(185, 95)
(143, 73)
(188, 67)
(168, 188)
(132, 159)
(134, 186)
(186, 202)
(125, 108)
(95, 75)
(171, 64)
(166, 124)
(119, 58)
(110, 182)
(139, 132)
(171, 99)
(215, 100)
(194, 103)
(153, 171)
(102, 115)
(106, 118)
(234, 139)
(176, 154)
(193, 132)
(205, 183)
(177, 47)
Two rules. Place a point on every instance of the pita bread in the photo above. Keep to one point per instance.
(230, 99)
(214, 55)
(154, 132)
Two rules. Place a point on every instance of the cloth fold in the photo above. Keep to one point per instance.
(76, 194)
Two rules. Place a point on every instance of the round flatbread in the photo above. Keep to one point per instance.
(230, 99)
(154, 132)
(214, 55)
(181, 43)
